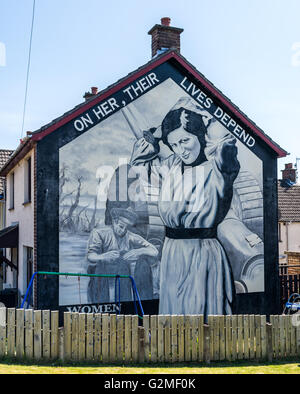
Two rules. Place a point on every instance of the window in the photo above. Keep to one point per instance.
(28, 270)
(27, 181)
(3, 266)
(29, 265)
(279, 232)
(14, 259)
(12, 191)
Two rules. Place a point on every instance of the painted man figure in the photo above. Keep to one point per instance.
(114, 250)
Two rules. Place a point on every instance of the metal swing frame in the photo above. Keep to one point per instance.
(293, 304)
(135, 293)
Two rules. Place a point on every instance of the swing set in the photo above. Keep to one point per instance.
(135, 294)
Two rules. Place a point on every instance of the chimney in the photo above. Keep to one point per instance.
(88, 95)
(165, 37)
(94, 90)
(289, 173)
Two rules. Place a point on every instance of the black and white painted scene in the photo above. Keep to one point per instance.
(161, 191)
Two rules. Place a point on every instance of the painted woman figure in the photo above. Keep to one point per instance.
(195, 196)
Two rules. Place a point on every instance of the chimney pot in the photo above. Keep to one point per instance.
(165, 37)
(289, 173)
(94, 90)
(166, 21)
(88, 95)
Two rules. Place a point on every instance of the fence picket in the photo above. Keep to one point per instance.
(120, 338)
(75, 336)
(195, 337)
(210, 321)
(234, 337)
(20, 333)
(82, 336)
(246, 337)
(146, 325)
(135, 338)
(89, 336)
(105, 338)
(240, 333)
(251, 336)
(11, 333)
(187, 338)
(67, 335)
(3, 335)
(257, 323)
(282, 336)
(29, 333)
(287, 327)
(37, 330)
(141, 344)
(180, 338)
(201, 338)
(46, 344)
(61, 343)
(160, 339)
(293, 351)
(229, 344)
(98, 337)
(222, 355)
(153, 347)
(113, 339)
(216, 329)
(174, 338)
(54, 334)
(275, 324)
(298, 335)
(168, 348)
(128, 338)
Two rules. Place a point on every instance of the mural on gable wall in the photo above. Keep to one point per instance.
(161, 191)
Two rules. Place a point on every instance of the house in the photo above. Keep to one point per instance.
(158, 178)
(289, 221)
(4, 156)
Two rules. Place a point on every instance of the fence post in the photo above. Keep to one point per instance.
(141, 344)
(61, 343)
(206, 344)
(67, 335)
(3, 336)
(269, 334)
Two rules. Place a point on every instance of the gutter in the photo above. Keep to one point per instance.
(25, 146)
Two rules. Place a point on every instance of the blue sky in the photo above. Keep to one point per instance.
(249, 49)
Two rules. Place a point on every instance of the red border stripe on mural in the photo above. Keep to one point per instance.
(96, 100)
(43, 133)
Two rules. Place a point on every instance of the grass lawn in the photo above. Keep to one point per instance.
(286, 367)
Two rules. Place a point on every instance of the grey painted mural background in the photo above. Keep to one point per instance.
(83, 214)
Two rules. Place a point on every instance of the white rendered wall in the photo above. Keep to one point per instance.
(290, 238)
(23, 214)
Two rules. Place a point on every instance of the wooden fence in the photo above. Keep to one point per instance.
(289, 284)
(104, 338)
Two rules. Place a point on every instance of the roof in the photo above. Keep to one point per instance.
(9, 237)
(4, 157)
(156, 61)
(289, 203)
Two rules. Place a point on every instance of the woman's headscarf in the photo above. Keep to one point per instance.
(192, 118)
(214, 132)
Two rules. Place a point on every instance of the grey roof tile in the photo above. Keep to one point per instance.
(289, 203)
(4, 156)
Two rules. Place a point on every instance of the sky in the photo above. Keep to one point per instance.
(249, 49)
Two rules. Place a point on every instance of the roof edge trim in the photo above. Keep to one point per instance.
(171, 54)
